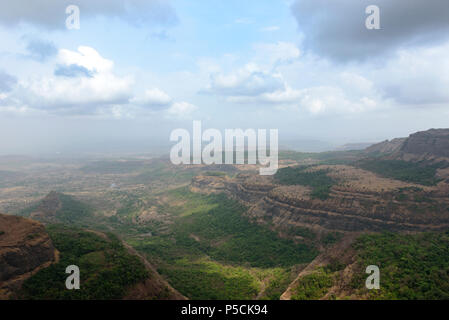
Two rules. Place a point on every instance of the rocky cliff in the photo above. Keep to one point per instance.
(25, 248)
(433, 142)
(424, 145)
(361, 201)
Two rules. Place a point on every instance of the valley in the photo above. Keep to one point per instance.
(225, 232)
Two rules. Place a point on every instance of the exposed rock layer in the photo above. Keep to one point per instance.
(25, 247)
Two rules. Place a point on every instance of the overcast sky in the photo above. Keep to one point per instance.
(137, 69)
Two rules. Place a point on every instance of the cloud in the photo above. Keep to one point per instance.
(416, 77)
(39, 50)
(333, 100)
(73, 71)
(336, 29)
(153, 99)
(247, 81)
(51, 14)
(84, 82)
(7, 82)
(277, 53)
(181, 109)
(86, 57)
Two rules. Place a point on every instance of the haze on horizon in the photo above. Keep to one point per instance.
(133, 73)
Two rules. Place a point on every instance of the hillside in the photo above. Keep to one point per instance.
(412, 266)
(59, 208)
(430, 145)
(25, 248)
(108, 270)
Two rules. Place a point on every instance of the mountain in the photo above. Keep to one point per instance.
(430, 145)
(386, 146)
(59, 208)
(25, 248)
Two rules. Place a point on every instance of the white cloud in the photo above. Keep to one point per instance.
(247, 81)
(416, 76)
(332, 100)
(279, 52)
(153, 98)
(77, 94)
(181, 109)
(86, 57)
(85, 83)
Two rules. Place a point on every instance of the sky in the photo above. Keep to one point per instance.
(137, 69)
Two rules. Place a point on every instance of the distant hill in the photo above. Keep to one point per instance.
(59, 208)
(387, 146)
(430, 145)
(354, 146)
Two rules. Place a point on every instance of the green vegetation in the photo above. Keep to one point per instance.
(314, 285)
(331, 157)
(113, 167)
(69, 210)
(163, 174)
(331, 238)
(411, 266)
(72, 210)
(303, 232)
(106, 268)
(203, 279)
(414, 172)
(318, 180)
(214, 173)
(212, 251)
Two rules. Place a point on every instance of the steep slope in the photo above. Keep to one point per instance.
(411, 266)
(357, 201)
(386, 146)
(25, 248)
(108, 270)
(431, 145)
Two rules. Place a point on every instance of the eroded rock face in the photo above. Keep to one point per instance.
(24, 248)
(434, 142)
(387, 146)
(352, 206)
(423, 145)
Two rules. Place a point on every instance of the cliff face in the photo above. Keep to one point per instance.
(434, 142)
(386, 146)
(25, 247)
(363, 203)
(430, 144)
